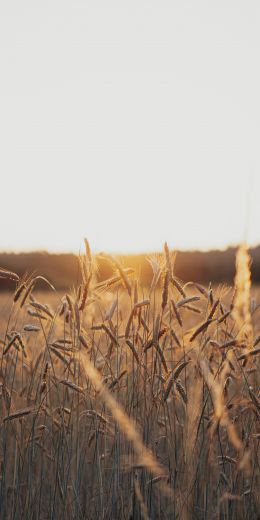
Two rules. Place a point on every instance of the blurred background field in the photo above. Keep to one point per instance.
(63, 269)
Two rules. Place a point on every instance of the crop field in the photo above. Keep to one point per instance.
(120, 401)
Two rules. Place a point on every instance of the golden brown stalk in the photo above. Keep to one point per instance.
(135, 291)
(173, 378)
(116, 380)
(241, 309)
(11, 342)
(162, 332)
(256, 341)
(254, 352)
(254, 399)
(224, 317)
(165, 289)
(88, 252)
(201, 289)
(168, 258)
(110, 282)
(181, 390)
(139, 496)
(115, 262)
(176, 312)
(160, 352)
(128, 325)
(84, 295)
(132, 348)
(191, 308)
(179, 369)
(142, 303)
(71, 385)
(126, 424)
(157, 270)
(229, 343)
(178, 286)
(36, 314)
(77, 316)
(175, 337)
(9, 275)
(43, 308)
(213, 310)
(83, 341)
(44, 376)
(168, 389)
(110, 313)
(110, 334)
(27, 292)
(31, 285)
(190, 299)
(31, 328)
(200, 329)
(18, 414)
(19, 291)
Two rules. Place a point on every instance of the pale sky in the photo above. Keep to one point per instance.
(130, 123)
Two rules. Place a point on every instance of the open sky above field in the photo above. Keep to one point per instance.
(130, 123)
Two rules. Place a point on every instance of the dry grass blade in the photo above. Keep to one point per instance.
(128, 325)
(254, 399)
(19, 291)
(179, 369)
(143, 303)
(110, 313)
(44, 308)
(213, 310)
(181, 391)
(18, 414)
(160, 352)
(201, 328)
(9, 275)
(36, 314)
(168, 389)
(224, 317)
(190, 299)
(11, 342)
(165, 290)
(83, 341)
(201, 289)
(175, 337)
(254, 352)
(126, 424)
(257, 340)
(111, 282)
(191, 308)
(176, 312)
(173, 378)
(241, 308)
(132, 348)
(73, 386)
(31, 328)
(115, 262)
(143, 506)
(178, 286)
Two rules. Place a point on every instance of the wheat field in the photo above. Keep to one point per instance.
(126, 402)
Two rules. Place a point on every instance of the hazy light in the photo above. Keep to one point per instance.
(129, 123)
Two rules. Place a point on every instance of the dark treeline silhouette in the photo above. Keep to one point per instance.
(63, 271)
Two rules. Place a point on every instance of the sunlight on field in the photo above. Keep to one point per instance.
(123, 401)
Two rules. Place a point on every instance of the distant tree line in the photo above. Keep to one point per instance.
(63, 271)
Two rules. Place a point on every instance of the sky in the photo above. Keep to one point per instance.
(130, 123)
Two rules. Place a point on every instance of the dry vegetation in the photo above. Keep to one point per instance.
(121, 402)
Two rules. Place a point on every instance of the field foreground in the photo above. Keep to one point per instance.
(124, 402)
